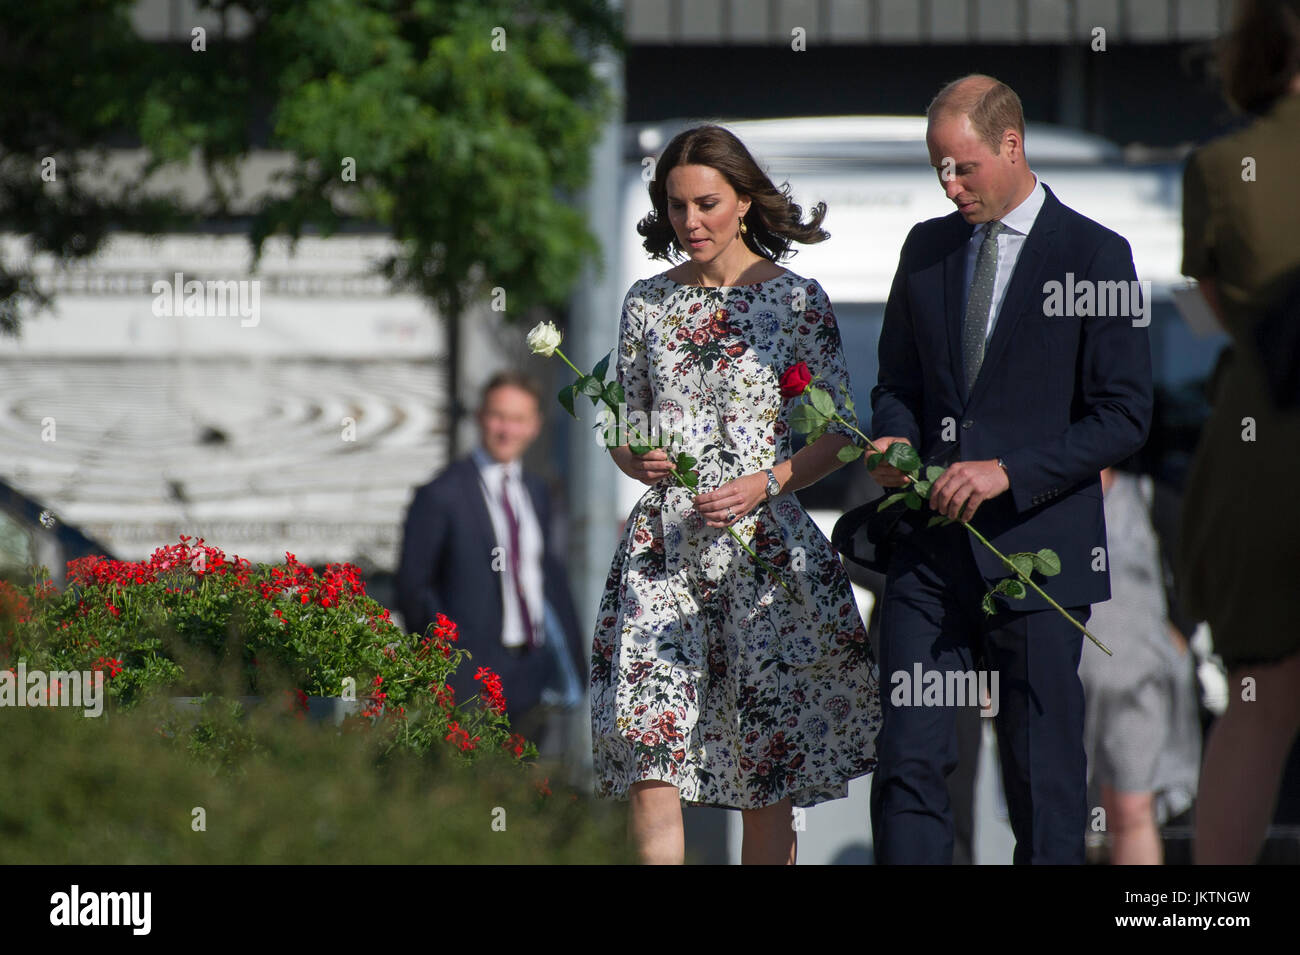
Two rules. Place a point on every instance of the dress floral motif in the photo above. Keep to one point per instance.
(706, 673)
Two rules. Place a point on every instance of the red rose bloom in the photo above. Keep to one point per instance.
(795, 380)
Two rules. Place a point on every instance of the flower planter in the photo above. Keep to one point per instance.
(120, 615)
(320, 709)
(334, 709)
(193, 705)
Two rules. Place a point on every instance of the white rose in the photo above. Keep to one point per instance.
(544, 339)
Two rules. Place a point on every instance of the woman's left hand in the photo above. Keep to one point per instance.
(739, 497)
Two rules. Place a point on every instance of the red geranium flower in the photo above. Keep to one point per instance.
(492, 695)
(460, 737)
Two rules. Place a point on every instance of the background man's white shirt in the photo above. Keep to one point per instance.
(491, 474)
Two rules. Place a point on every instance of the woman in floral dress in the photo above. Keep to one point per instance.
(712, 682)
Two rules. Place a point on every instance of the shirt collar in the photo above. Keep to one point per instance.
(491, 469)
(1021, 219)
(494, 472)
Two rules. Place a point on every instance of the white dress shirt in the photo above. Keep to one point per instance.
(491, 474)
(1018, 222)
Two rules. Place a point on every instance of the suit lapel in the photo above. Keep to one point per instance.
(1020, 291)
(471, 492)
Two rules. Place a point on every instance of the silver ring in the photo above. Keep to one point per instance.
(730, 516)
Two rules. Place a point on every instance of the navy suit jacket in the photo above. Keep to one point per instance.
(446, 565)
(1058, 397)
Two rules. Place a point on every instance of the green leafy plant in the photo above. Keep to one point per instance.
(281, 791)
(190, 622)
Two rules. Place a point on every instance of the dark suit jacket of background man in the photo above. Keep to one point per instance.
(1057, 397)
(446, 566)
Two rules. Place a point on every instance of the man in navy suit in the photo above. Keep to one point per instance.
(479, 546)
(1030, 388)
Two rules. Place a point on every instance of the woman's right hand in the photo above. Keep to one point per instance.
(649, 468)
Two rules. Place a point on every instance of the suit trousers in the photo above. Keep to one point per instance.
(932, 622)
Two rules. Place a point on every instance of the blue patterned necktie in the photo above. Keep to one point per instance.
(979, 299)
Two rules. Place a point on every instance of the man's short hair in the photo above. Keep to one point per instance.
(516, 379)
(993, 107)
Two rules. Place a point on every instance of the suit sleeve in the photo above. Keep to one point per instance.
(1114, 391)
(557, 586)
(568, 615)
(423, 542)
(896, 398)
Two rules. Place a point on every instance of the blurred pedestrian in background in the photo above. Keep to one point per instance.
(1240, 551)
(1142, 731)
(478, 546)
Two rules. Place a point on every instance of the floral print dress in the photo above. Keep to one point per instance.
(706, 673)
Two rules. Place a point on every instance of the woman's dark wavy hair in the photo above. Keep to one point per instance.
(1260, 54)
(774, 220)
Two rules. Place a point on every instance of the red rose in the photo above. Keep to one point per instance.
(795, 380)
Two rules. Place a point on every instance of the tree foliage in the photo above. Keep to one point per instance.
(468, 125)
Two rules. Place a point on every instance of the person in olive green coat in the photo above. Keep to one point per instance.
(1239, 557)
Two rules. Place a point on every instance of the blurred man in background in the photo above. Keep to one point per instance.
(479, 546)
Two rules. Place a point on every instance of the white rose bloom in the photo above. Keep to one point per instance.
(544, 339)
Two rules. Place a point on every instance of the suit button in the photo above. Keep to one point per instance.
(967, 422)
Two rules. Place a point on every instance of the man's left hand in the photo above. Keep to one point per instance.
(964, 486)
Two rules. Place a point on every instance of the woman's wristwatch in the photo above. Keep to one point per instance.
(773, 486)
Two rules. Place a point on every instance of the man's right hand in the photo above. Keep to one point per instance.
(649, 468)
(887, 475)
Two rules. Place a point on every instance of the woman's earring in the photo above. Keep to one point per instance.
(743, 227)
